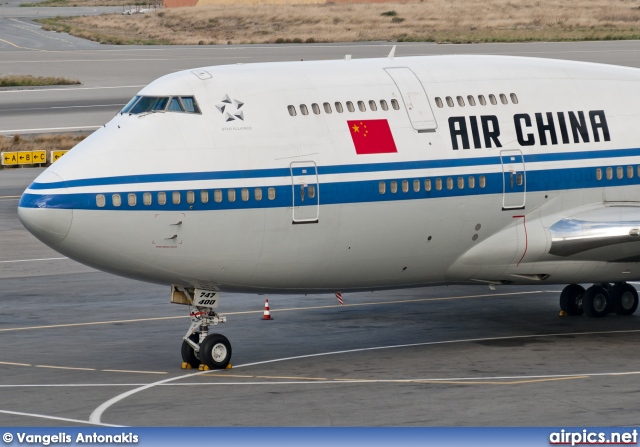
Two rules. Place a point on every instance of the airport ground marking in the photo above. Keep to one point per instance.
(96, 415)
(289, 309)
(40, 90)
(133, 372)
(47, 129)
(31, 260)
(65, 367)
(55, 418)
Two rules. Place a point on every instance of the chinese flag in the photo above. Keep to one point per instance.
(372, 137)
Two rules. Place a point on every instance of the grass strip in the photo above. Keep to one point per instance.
(34, 81)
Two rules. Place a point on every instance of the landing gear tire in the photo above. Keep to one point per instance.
(188, 354)
(215, 351)
(625, 299)
(596, 302)
(571, 299)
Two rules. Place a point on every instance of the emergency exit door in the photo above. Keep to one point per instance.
(514, 179)
(305, 191)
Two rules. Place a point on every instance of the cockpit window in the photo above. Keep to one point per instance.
(130, 104)
(189, 104)
(175, 106)
(147, 104)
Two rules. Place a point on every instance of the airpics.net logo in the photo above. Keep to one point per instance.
(64, 438)
(587, 437)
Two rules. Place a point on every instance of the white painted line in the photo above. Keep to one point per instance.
(48, 129)
(133, 372)
(70, 89)
(14, 364)
(31, 260)
(65, 367)
(9, 197)
(54, 418)
(96, 415)
(377, 303)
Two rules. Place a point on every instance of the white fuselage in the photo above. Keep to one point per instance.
(261, 197)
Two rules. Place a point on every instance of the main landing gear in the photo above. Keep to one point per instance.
(200, 349)
(599, 299)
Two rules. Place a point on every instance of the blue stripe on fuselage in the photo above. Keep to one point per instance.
(327, 170)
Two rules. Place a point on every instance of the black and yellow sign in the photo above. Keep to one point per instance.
(9, 158)
(39, 156)
(55, 155)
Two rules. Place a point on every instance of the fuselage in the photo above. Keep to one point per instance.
(475, 170)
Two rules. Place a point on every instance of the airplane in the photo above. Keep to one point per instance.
(358, 175)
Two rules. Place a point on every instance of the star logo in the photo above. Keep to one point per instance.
(230, 108)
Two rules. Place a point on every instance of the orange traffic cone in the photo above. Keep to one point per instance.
(267, 313)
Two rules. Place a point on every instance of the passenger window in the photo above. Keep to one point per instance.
(471, 100)
(191, 197)
(101, 201)
(439, 184)
(439, 102)
(303, 109)
(316, 108)
(146, 198)
(116, 200)
(327, 107)
(162, 198)
(427, 185)
(449, 183)
(482, 181)
(292, 110)
(382, 187)
(503, 98)
(372, 105)
(393, 187)
(493, 100)
(204, 196)
(217, 196)
(514, 98)
(338, 107)
(244, 193)
(350, 107)
(460, 101)
(383, 105)
(361, 106)
(449, 101)
(629, 171)
(132, 199)
(231, 195)
(460, 182)
(395, 104)
(481, 100)
(619, 172)
(519, 179)
(416, 186)
(609, 173)
(175, 106)
(271, 193)
(189, 103)
(599, 173)
(405, 186)
(175, 197)
(472, 182)
(311, 191)
(257, 194)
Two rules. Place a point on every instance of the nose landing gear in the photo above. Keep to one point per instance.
(199, 348)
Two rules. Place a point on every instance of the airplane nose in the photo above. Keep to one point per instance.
(42, 213)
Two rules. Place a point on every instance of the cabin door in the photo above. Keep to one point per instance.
(415, 99)
(514, 179)
(305, 192)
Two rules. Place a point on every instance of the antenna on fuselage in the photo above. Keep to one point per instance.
(392, 53)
